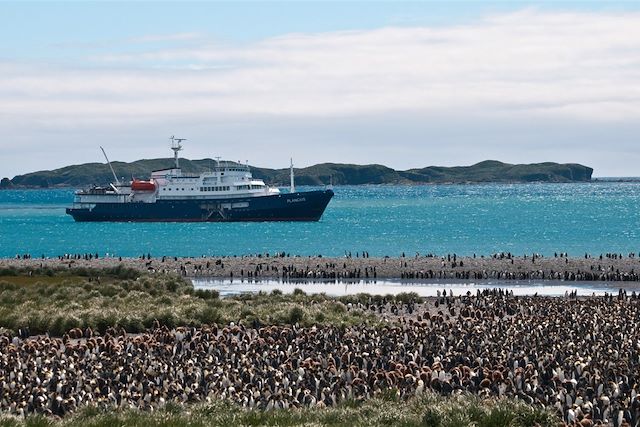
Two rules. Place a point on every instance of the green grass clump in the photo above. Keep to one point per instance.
(112, 298)
(428, 410)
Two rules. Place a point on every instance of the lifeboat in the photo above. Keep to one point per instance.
(138, 185)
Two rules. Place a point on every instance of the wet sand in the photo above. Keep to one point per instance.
(601, 268)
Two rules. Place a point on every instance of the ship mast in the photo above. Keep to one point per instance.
(110, 167)
(293, 186)
(176, 147)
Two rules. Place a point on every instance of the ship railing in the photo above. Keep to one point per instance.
(82, 205)
(93, 190)
(175, 176)
(231, 167)
(101, 197)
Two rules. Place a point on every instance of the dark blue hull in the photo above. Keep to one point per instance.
(304, 206)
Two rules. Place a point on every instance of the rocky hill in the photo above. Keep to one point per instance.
(324, 173)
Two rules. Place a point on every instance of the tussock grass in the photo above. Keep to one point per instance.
(426, 411)
(119, 272)
(104, 298)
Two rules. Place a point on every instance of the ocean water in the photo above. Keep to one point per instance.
(383, 220)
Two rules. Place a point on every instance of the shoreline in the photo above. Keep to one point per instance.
(417, 268)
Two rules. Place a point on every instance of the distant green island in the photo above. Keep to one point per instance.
(321, 174)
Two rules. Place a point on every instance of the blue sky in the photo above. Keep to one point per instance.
(49, 29)
(407, 84)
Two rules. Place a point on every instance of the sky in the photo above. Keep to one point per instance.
(404, 84)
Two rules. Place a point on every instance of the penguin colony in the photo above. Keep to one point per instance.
(577, 356)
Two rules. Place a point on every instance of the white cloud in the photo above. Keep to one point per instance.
(528, 65)
(561, 63)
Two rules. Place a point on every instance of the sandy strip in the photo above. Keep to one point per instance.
(590, 268)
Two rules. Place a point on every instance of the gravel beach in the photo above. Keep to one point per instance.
(589, 267)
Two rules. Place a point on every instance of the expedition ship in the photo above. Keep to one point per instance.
(226, 193)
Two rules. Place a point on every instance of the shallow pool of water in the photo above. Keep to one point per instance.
(228, 287)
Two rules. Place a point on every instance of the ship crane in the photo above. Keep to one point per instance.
(176, 146)
(112, 171)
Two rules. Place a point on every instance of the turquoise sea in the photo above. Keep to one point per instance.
(383, 220)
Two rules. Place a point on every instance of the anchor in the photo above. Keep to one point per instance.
(210, 209)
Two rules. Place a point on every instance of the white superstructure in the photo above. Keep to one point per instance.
(225, 180)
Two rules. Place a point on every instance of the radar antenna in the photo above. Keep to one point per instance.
(110, 167)
(176, 146)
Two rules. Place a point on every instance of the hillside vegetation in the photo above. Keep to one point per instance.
(321, 174)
